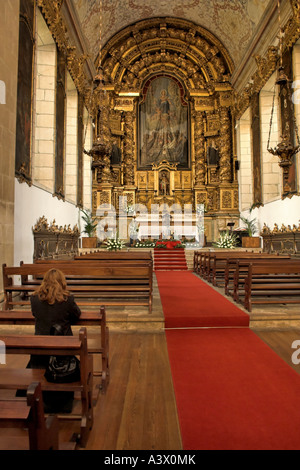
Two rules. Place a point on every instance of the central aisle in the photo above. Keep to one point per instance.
(232, 391)
(188, 302)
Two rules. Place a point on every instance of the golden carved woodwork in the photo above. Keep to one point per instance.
(266, 66)
(128, 150)
(291, 32)
(57, 26)
(199, 146)
(171, 45)
(202, 65)
(225, 146)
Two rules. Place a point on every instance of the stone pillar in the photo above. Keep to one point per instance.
(9, 37)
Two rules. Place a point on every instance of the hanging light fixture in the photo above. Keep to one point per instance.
(101, 149)
(286, 149)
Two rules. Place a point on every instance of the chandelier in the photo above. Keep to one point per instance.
(286, 148)
(101, 148)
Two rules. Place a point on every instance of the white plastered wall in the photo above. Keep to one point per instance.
(31, 203)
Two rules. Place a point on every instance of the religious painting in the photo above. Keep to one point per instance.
(60, 126)
(288, 121)
(256, 149)
(80, 128)
(163, 123)
(24, 95)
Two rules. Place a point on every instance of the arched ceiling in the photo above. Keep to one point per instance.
(233, 22)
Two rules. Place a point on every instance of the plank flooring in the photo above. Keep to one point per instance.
(138, 411)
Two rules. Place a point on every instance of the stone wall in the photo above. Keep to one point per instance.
(44, 108)
(271, 172)
(9, 37)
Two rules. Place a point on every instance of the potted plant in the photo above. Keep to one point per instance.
(251, 228)
(90, 229)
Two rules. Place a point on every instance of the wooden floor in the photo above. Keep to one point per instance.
(138, 411)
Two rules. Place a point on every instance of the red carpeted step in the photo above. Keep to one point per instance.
(169, 260)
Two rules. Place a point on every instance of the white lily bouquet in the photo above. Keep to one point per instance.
(114, 244)
(226, 240)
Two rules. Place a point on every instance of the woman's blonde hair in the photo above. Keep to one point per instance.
(53, 287)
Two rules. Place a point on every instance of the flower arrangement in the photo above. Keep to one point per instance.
(129, 209)
(227, 240)
(114, 244)
(145, 244)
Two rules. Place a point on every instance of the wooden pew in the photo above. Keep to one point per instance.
(237, 269)
(87, 318)
(235, 266)
(21, 378)
(202, 259)
(242, 270)
(116, 255)
(29, 414)
(266, 291)
(108, 284)
(216, 263)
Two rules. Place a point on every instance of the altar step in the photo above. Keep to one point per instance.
(170, 260)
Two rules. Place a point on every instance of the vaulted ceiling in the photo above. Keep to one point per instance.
(233, 22)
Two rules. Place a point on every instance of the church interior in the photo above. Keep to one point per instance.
(158, 140)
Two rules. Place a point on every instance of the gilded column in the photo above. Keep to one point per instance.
(199, 149)
(128, 150)
(225, 146)
(104, 135)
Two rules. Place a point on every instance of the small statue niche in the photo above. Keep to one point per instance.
(164, 183)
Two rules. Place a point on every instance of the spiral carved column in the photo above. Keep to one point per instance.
(199, 149)
(128, 150)
(225, 146)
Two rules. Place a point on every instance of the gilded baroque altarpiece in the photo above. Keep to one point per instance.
(166, 115)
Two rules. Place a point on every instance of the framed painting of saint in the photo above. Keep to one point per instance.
(163, 123)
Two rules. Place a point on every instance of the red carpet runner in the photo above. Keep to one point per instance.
(189, 302)
(232, 391)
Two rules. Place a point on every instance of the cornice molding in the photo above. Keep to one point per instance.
(267, 65)
(52, 12)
